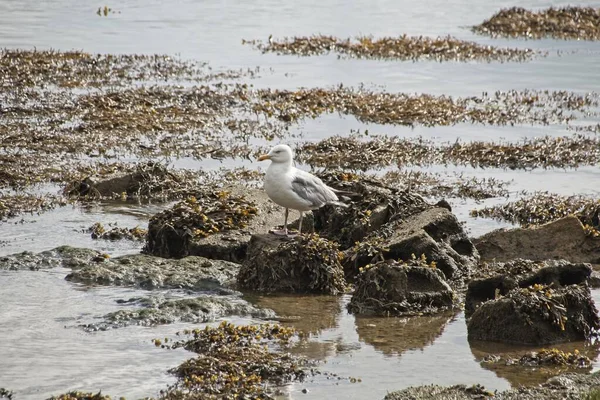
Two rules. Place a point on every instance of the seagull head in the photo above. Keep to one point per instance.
(278, 154)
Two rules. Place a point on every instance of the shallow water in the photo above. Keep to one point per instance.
(39, 356)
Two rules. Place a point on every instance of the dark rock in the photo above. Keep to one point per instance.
(565, 239)
(371, 205)
(434, 232)
(501, 278)
(182, 231)
(538, 315)
(157, 311)
(391, 288)
(64, 256)
(570, 386)
(148, 272)
(304, 264)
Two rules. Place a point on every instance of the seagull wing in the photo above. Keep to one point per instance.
(313, 190)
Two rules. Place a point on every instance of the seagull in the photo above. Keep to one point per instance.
(293, 188)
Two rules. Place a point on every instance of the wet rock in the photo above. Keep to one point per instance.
(157, 311)
(304, 264)
(498, 279)
(371, 205)
(98, 231)
(544, 357)
(234, 362)
(565, 238)
(434, 233)
(536, 315)
(215, 225)
(64, 256)
(148, 272)
(393, 288)
(568, 386)
(385, 222)
(150, 180)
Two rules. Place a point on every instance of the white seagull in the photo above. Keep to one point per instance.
(293, 188)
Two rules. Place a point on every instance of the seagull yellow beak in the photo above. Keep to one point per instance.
(264, 157)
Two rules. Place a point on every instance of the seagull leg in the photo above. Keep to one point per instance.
(300, 224)
(284, 231)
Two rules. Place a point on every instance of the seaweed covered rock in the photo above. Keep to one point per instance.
(498, 279)
(213, 224)
(434, 233)
(63, 256)
(150, 180)
(393, 288)
(234, 362)
(372, 205)
(304, 264)
(536, 315)
(156, 311)
(566, 238)
(148, 272)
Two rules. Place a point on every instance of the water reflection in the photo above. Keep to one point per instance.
(308, 314)
(528, 376)
(394, 336)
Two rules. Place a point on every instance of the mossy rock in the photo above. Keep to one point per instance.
(536, 315)
(304, 264)
(215, 224)
(390, 288)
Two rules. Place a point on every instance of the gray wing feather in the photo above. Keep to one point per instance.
(313, 190)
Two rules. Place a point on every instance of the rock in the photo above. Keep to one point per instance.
(537, 315)
(149, 180)
(568, 386)
(391, 288)
(500, 278)
(64, 256)
(304, 264)
(188, 228)
(148, 272)
(434, 232)
(372, 205)
(157, 311)
(565, 238)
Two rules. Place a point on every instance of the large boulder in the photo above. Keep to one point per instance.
(434, 233)
(372, 204)
(304, 264)
(565, 238)
(537, 315)
(149, 272)
(213, 224)
(390, 288)
(498, 279)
